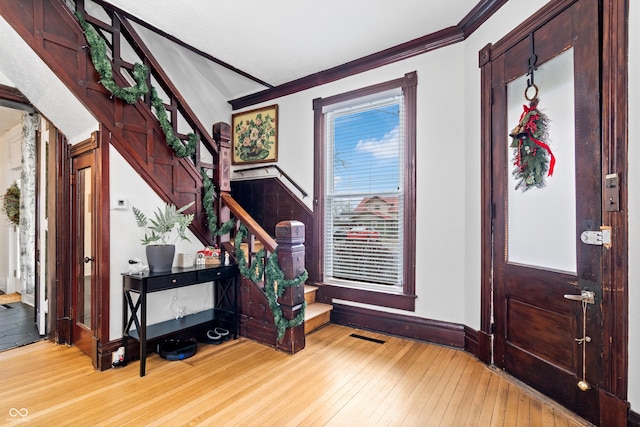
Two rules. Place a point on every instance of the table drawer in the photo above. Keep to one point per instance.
(217, 273)
(171, 281)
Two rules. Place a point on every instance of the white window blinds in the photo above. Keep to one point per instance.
(364, 192)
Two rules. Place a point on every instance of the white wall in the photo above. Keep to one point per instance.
(9, 172)
(634, 206)
(126, 184)
(40, 85)
(448, 159)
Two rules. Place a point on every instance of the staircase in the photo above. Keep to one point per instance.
(52, 31)
(317, 314)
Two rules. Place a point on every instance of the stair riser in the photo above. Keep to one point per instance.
(316, 322)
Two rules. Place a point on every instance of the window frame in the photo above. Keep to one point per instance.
(404, 300)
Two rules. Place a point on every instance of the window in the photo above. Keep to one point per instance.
(365, 181)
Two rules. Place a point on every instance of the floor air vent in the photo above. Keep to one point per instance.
(362, 337)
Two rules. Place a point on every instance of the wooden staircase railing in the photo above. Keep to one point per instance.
(53, 32)
(257, 322)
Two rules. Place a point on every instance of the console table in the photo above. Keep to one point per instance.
(225, 297)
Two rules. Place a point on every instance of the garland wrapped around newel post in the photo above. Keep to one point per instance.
(275, 283)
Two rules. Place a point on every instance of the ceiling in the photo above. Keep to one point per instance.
(274, 42)
(9, 118)
(283, 40)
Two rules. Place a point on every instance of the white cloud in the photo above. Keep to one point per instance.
(384, 148)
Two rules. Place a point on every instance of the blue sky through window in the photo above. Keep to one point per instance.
(367, 151)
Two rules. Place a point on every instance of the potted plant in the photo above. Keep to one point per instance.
(158, 232)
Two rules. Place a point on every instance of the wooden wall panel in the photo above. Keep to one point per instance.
(63, 47)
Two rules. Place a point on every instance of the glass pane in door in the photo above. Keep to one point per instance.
(541, 226)
(83, 316)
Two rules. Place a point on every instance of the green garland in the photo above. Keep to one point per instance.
(102, 64)
(11, 203)
(208, 199)
(131, 95)
(173, 141)
(274, 282)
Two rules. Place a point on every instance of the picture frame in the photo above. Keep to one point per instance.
(255, 136)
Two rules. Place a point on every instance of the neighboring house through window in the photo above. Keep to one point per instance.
(365, 190)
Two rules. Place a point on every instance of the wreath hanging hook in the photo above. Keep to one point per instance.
(531, 68)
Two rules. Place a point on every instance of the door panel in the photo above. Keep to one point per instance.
(538, 255)
(83, 303)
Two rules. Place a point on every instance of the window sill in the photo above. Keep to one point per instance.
(327, 292)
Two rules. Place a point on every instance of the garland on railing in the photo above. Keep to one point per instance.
(208, 199)
(173, 141)
(274, 282)
(131, 95)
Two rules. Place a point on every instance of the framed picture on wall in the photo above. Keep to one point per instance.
(255, 136)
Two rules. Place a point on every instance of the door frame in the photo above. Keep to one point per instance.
(97, 145)
(613, 63)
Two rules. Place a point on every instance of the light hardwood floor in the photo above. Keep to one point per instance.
(337, 380)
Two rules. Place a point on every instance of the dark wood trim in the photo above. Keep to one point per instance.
(417, 328)
(85, 146)
(61, 332)
(406, 301)
(478, 343)
(13, 95)
(410, 91)
(486, 225)
(478, 15)
(179, 42)
(327, 293)
(406, 50)
(445, 37)
(613, 411)
(614, 160)
(532, 23)
(103, 244)
(471, 340)
(633, 419)
(319, 148)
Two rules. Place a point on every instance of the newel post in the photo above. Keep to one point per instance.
(290, 238)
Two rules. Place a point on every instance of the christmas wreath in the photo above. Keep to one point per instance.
(532, 157)
(11, 204)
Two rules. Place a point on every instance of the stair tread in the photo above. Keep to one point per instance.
(310, 288)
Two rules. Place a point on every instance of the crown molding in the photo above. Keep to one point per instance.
(445, 37)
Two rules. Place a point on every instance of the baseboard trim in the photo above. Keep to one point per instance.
(634, 419)
(434, 331)
(471, 340)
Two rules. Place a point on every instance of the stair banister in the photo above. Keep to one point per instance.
(168, 86)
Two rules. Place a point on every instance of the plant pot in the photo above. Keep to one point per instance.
(160, 257)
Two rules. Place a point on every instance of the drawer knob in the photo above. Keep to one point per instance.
(174, 280)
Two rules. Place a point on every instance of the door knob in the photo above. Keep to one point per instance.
(587, 296)
(88, 259)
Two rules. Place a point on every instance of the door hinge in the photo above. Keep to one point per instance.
(598, 238)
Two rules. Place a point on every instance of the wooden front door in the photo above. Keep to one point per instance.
(541, 266)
